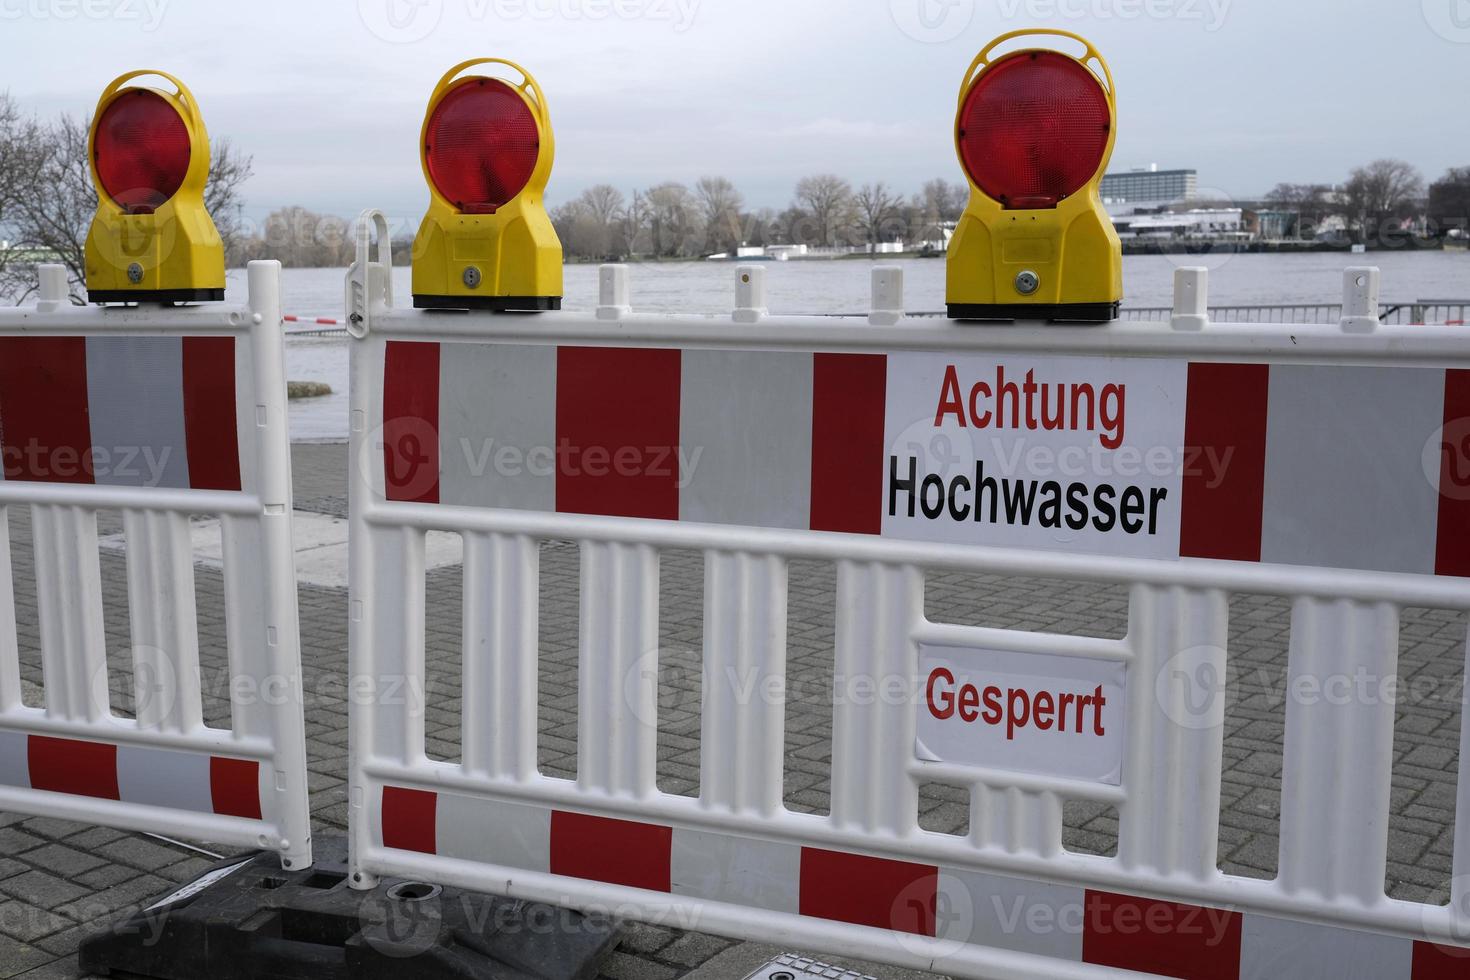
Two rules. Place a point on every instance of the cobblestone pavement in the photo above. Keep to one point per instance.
(57, 879)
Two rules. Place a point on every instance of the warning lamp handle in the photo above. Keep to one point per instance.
(983, 60)
(528, 87)
(185, 98)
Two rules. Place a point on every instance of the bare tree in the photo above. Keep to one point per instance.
(636, 218)
(591, 226)
(18, 159)
(720, 204)
(673, 219)
(878, 209)
(299, 238)
(1381, 192)
(53, 202)
(827, 200)
(1449, 201)
(1312, 202)
(228, 170)
(943, 200)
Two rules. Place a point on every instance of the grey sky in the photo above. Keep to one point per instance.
(329, 95)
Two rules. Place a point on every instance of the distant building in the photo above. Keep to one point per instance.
(1150, 186)
(1199, 224)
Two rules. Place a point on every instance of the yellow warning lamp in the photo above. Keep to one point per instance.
(1034, 133)
(487, 242)
(152, 239)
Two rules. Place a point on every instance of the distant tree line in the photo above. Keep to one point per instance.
(676, 221)
(1379, 199)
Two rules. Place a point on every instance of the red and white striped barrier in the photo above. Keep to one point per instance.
(1276, 458)
(1068, 924)
(156, 415)
(325, 321)
(1182, 460)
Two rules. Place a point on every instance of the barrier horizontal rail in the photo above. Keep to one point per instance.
(151, 416)
(805, 424)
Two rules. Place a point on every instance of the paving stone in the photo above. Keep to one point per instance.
(14, 841)
(26, 922)
(16, 959)
(643, 938)
(621, 966)
(63, 860)
(53, 828)
(42, 889)
(141, 853)
(692, 948)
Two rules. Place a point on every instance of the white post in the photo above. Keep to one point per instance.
(612, 292)
(887, 306)
(750, 294)
(1191, 298)
(1360, 300)
(52, 294)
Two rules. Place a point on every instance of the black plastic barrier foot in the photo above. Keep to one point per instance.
(246, 918)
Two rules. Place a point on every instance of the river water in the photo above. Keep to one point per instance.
(843, 287)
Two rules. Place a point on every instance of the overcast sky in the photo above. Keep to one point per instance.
(328, 95)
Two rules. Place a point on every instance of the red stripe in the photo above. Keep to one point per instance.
(66, 765)
(1452, 539)
(619, 852)
(411, 421)
(44, 424)
(1434, 962)
(869, 891)
(210, 429)
(1163, 938)
(1225, 461)
(617, 432)
(234, 787)
(408, 819)
(848, 392)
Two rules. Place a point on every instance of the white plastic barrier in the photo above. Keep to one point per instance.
(893, 447)
(156, 416)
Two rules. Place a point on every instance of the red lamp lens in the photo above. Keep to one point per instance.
(481, 145)
(1033, 129)
(142, 151)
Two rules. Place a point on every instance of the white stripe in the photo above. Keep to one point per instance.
(15, 767)
(493, 832)
(1011, 913)
(135, 397)
(1345, 481)
(738, 870)
(163, 777)
(745, 432)
(497, 426)
(1273, 949)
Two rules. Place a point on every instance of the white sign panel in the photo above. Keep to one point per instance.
(1035, 451)
(1022, 712)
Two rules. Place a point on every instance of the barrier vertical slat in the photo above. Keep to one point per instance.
(245, 627)
(397, 620)
(742, 741)
(69, 610)
(165, 630)
(1459, 906)
(618, 674)
(10, 692)
(1331, 731)
(872, 742)
(501, 602)
(1016, 821)
(1169, 822)
(271, 477)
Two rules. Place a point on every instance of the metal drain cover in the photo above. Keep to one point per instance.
(790, 966)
